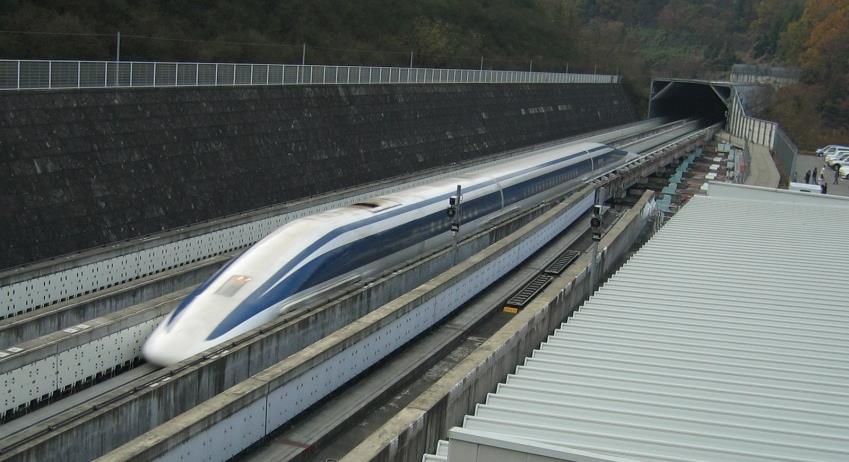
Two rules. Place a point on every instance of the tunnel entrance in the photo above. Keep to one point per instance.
(682, 98)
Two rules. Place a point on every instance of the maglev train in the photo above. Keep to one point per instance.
(328, 250)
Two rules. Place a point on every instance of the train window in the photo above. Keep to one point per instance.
(229, 288)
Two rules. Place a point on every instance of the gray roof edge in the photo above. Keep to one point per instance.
(523, 445)
(761, 193)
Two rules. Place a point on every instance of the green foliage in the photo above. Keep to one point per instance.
(637, 38)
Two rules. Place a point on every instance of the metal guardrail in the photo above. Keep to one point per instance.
(44, 74)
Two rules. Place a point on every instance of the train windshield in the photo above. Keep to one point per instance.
(229, 288)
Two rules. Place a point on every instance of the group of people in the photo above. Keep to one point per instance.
(811, 177)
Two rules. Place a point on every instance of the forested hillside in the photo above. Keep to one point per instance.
(640, 38)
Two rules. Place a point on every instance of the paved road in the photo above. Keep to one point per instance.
(805, 163)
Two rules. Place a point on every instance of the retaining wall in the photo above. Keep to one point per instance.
(84, 168)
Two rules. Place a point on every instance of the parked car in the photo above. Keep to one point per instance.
(830, 149)
(835, 153)
(838, 161)
(844, 172)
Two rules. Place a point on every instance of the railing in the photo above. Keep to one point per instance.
(38, 74)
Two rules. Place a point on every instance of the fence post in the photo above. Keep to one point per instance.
(216, 73)
(79, 65)
(131, 73)
(105, 73)
(252, 74)
(154, 73)
(197, 74)
(49, 74)
(176, 72)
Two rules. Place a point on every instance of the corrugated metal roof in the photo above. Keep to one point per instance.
(725, 337)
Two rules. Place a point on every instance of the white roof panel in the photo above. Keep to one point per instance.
(726, 337)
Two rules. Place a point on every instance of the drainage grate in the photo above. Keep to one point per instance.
(562, 261)
(531, 289)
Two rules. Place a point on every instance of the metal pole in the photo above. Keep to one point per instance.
(117, 58)
(304, 55)
(531, 66)
(481, 63)
(411, 60)
(596, 235)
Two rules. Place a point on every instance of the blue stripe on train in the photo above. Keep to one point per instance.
(369, 250)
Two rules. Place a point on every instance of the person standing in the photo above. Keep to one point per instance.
(836, 176)
(824, 187)
(808, 177)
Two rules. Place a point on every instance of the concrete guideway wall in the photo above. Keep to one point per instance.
(269, 399)
(47, 320)
(415, 430)
(118, 164)
(76, 356)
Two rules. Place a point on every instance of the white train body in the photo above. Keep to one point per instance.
(331, 248)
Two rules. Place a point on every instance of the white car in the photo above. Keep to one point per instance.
(844, 172)
(839, 151)
(830, 149)
(838, 161)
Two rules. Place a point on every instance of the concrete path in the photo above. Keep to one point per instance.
(762, 169)
(805, 163)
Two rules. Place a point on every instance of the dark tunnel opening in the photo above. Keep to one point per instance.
(686, 99)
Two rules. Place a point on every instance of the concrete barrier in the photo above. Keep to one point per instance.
(416, 429)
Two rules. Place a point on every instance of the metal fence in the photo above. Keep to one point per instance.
(37, 74)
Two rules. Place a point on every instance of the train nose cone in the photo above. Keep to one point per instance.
(166, 348)
(155, 354)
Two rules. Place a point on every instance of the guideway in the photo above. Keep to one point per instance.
(81, 335)
(244, 362)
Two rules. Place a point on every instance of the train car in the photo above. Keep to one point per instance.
(323, 251)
